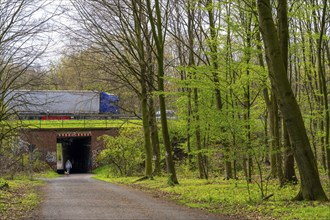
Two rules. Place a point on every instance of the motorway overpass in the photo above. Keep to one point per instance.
(79, 145)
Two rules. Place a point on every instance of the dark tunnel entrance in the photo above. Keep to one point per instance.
(77, 150)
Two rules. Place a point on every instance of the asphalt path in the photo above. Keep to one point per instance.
(81, 197)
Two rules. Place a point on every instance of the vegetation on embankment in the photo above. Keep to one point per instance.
(83, 123)
(19, 198)
(232, 197)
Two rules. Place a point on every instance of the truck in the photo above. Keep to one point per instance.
(63, 104)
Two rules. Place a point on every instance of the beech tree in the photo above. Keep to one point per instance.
(157, 23)
(311, 188)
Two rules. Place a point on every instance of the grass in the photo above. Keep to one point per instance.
(47, 174)
(230, 197)
(20, 199)
(51, 124)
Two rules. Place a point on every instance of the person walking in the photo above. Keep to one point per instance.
(68, 166)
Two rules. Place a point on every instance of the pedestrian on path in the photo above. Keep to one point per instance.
(68, 166)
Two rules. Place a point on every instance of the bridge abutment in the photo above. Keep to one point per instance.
(80, 146)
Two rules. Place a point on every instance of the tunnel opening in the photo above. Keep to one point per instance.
(77, 150)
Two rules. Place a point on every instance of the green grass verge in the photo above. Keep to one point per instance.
(53, 124)
(229, 197)
(47, 174)
(21, 199)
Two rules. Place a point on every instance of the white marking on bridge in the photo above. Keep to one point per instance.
(75, 134)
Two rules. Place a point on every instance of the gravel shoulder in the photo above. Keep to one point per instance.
(79, 196)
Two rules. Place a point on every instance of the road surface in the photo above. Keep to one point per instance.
(82, 197)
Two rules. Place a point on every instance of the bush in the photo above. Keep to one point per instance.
(124, 153)
(40, 166)
(3, 184)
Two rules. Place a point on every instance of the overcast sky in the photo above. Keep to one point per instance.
(55, 36)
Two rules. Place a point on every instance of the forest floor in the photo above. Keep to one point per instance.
(19, 198)
(233, 197)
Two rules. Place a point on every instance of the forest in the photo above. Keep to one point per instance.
(248, 82)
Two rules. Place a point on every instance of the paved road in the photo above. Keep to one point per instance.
(82, 197)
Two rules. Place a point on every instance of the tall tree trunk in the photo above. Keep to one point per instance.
(268, 102)
(152, 114)
(289, 171)
(213, 45)
(146, 129)
(194, 93)
(323, 84)
(141, 43)
(327, 151)
(247, 102)
(191, 63)
(283, 33)
(157, 32)
(200, 158)
(228, 152)
(189, 113)
(182, 59)
(154, 136)
(273, 120)
(311, 188)
(276, 156)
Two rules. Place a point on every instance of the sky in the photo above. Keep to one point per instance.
(55, 37)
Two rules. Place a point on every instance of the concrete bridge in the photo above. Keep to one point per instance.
(80, 146)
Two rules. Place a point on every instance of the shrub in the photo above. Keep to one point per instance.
(123, 153)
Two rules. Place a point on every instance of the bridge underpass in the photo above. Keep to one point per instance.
(77, 150)
(80, 146)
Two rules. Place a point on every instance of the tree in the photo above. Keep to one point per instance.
(157, 23)
(311, 188)
(22, 23)
(323, 84)
(119, 32)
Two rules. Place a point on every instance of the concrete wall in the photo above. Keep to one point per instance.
(45, 141)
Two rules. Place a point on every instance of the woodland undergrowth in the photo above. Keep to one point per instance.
(230, 196)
